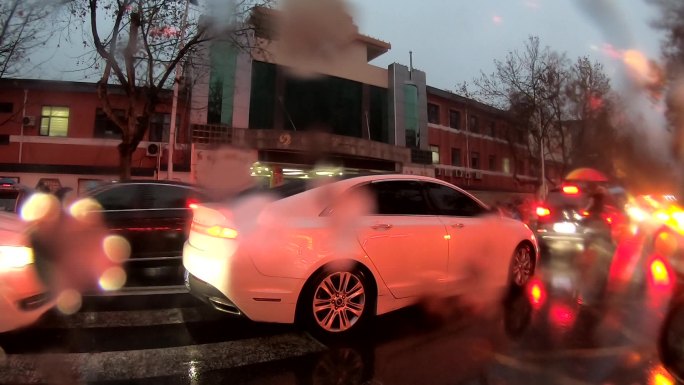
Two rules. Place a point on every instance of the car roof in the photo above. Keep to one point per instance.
(115, 184)
(300, 186)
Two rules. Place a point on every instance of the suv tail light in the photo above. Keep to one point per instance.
(571, 190)
(192, 203)
(543, 211)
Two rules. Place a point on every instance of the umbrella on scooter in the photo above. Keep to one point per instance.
(586, 174)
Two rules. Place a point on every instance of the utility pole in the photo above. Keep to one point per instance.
(176, 90)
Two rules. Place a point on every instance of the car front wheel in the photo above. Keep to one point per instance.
(338, 302)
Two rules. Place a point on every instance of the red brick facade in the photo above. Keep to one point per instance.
(81, 146)
(477, 147)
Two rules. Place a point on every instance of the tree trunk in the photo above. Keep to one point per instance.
(125, 161)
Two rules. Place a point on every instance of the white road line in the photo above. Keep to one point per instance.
(138, 364)
(127, 318)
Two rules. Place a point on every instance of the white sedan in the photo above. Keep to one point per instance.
(23, 296)
(336, 254)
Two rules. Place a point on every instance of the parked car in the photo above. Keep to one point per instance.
(23, 296)
(154, 217)
(319, 257)
(12, 195)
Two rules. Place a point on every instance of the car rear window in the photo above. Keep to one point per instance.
(557, 198)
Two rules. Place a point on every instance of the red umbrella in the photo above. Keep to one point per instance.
(586, 174)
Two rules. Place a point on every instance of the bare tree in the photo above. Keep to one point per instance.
(23, 27)
(138, 45)
(528, 83)
(591, 106)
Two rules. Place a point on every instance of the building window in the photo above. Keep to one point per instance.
(455, 156)
(492, 129)
(435, 154)
(520, 168)
(411, 118)
(492, 163)
(455, 119)
(475, 160)
(433, 113)
(105, 127)
(506, 165)
(520, 136)
(160, 125)
(54, 121)
(6, 108)
(473, 125)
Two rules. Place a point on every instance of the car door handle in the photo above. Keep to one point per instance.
(458, 225)
(382, 226)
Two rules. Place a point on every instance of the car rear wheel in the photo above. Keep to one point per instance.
(522, 266)
(338, 302)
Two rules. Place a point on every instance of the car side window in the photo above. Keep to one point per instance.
(399, 198)
(125, 197)
(452, 202)
(166, 196)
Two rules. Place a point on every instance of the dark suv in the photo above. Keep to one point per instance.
(154, 217)
(562, 221)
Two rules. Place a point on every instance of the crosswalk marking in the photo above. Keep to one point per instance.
(145, 363)
(129, 318)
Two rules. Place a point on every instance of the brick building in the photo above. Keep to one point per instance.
(474, 145)
(57, 131)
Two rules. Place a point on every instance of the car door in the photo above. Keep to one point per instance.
(472, 234)
(404, 240)
(121, 205)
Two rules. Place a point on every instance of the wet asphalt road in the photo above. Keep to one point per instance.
(572, 325)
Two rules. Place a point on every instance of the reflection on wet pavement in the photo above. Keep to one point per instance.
(574, 324)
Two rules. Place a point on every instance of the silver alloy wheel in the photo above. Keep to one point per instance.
(522, 266)
(339, 301)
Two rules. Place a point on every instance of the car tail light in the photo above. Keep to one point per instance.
(215, 231)
(571, 190)
(192, 203)
(543, 211)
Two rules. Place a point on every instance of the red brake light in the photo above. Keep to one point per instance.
(6, 185)
(571, 190)
(543, 211)
(192, 203)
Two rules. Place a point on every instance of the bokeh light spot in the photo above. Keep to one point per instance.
(69, 301)
(665, 244)
(113, 279)
(39, 207)
(116, 248)
(83, 209)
